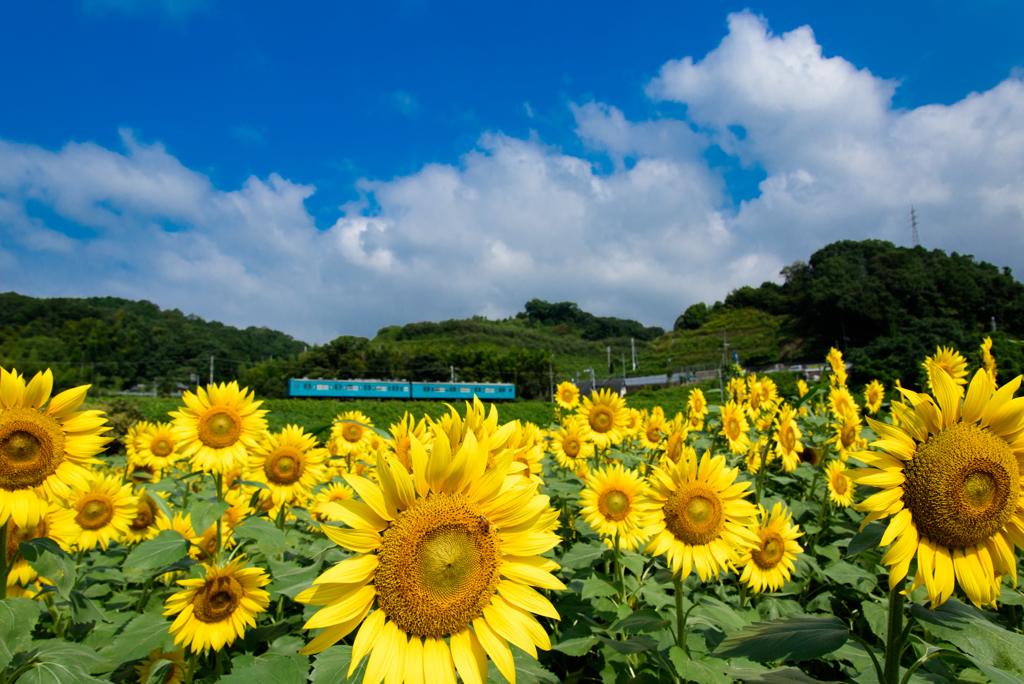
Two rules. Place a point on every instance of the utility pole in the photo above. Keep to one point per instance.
(632, 344)
(913, 227)
(551, 372)
(211, 369)
(609, 362)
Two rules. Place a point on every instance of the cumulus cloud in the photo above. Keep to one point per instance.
(516, 218)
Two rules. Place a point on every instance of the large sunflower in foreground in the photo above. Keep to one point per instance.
(43, 453)
(217, 424)
(567, 395)
(950, 477)
(449, 553)
(769, 563)
(615, 505)
(604, 412)
(288, 462)
(214, 610)
(700, 518)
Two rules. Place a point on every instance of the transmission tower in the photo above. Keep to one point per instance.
(913, 226)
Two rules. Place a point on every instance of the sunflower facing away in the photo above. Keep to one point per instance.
(951, 362)
(288, 462)
(987, 359)
(567, 395)
(950, 477)
(176, 658)
(604, 412)
(699, 516)
(43, 453)
(214, 610)
(768, 564)
(615, 505)
(835, 360)
(841, 489)
(217, 424)
(449, 553)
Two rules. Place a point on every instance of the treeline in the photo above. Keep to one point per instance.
(117, 344)
(886, 307)
(567, 317)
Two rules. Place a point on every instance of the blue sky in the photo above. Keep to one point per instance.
(330, 169)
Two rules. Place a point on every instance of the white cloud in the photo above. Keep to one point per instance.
(517, 219)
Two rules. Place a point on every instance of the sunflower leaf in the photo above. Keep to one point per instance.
(165, 548)
(18, 617)
(267, 669)
(865, 539)
(790, 639)
(84, 610)
(262, 531)
(645, 620)
(139, 636)
(206, 513)
(331, 666)
(582, 555)
(970, 631)
(52, 562)
(159, 671)
(709, 671)
(57, 673)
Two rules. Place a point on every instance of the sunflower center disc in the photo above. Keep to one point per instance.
(615, 505)
(601, 420)
(352, 433)
(161, 447)
(693, 513)
(17, 535)
(31, 448)
(571, 447)
(962, 486)
(732, 427)
(144, 515)
(839, 483)
(94, 513)
(217, 600)
(438, 567)
(220, 427)
(787, 438)
(284, 469)
(771, 552)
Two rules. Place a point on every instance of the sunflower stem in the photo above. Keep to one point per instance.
(218, 479)
(7, 562)
(677, 582)
(619, 576)
(894, 634)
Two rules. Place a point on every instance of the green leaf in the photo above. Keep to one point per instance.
(645, 620)
(52, 562)
(788, 639)
(576, 647)
(582, 555)
(719, 615)
(57, 651)
(289, 646)
(57, 673)
(853, 575)
(877, 616)
(331, 666)
(865, 539)
(634, 644)
(18, 617)
(290, 578)
(263, 531)
(969, 629)
(708, 671)
(139, 636)
(781, 675)
(267, 669)
(159, 671)
(996, 675)
(206, 513)
(84, 610)
(595, 587)
(165, 548)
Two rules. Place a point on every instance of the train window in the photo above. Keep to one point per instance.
(489, 390)
(323, 387)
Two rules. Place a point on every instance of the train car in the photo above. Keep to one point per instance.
(447, 391)
(349, 389)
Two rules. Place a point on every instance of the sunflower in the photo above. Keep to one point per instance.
(103, 512)
(139, 474)
(874, 394)
(145, 523)
(604, 412)
(847, 434)
(527, 450)
(134, 435)
(762, 394)
(350, 432)
(653, 429)
(835, 360)
(737, 388)
(734, 427)
(696, 404)
(699, 516)
(156, 446)
(676, 447)
(615, 504)
(987, 359)
(570, 446)
(449, 553)
(950, 477)
(802, 388)
(840, 401)
(787, 438)
(633, 421)
(288, 462)
(331, 493)
(752, 461)
(768, 564)
(841, 489)
(216, 425)
(951, 362)
(214, 610)
(402, 433)
(58, 524)
(43, 454)
(567, 395)
(178, 666)
(810, 456)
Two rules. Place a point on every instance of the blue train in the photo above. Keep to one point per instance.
(397, 389)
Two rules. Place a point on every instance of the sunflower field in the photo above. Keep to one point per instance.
(830, 536)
